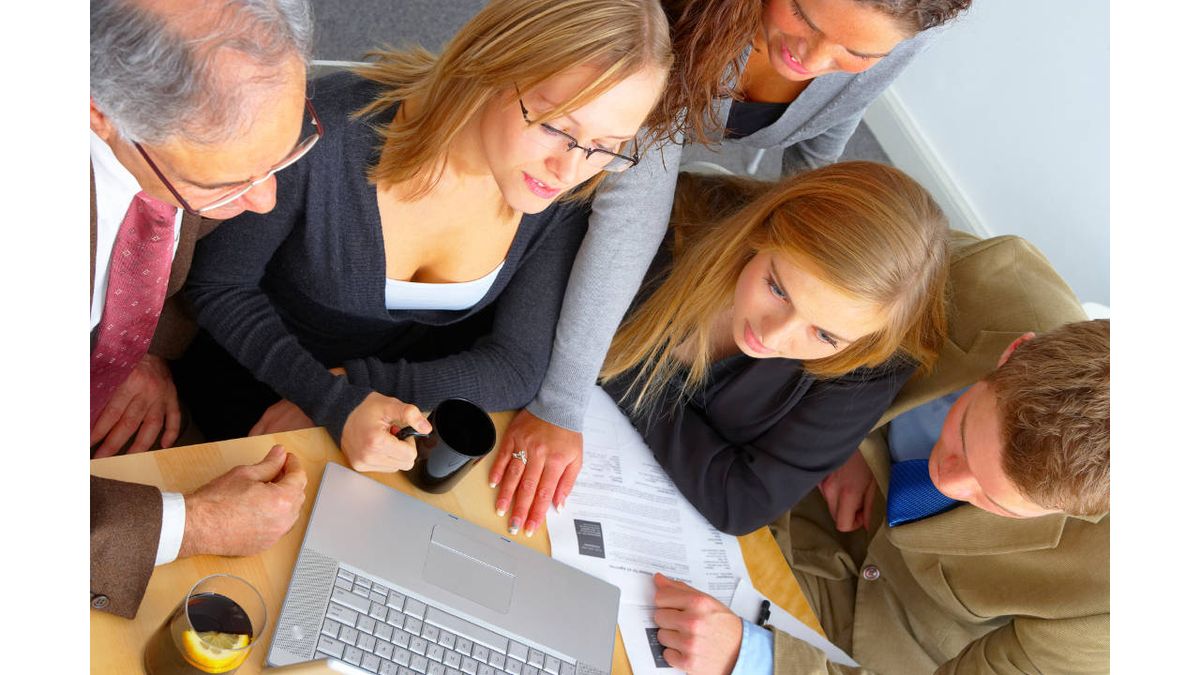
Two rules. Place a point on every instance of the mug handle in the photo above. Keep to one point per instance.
(409, 432)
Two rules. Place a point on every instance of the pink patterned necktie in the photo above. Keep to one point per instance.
(138, 273)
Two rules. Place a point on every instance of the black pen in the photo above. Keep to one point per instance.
(764, 613)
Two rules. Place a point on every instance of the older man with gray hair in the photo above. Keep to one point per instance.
(195, 105)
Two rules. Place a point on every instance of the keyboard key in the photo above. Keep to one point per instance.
(419, 664)
(436, 669)
(349, 636)
(395, 600)
(463, 646)
(485, 669)
(353, 656)
(429, 632)
(496, 660)
(327, 645)
(395, 618)
(344, 584)
(552, 665)
(383, 631)
(371, 662)
(330, 628)
(470, 666)
(365, 624)
(512, 666)
(384, 649)
(452, 659)
(536, 658)
(379, 588)
(418, 646)
(412, 624)
(344, 574)
(400, 639)
(359, 603)
(479, 634)
(378, 611)
(435, 652)
(414, 607)
(518, 651)
(566, 670)
(480, 653)
(389, 668)
(447, 639)
(366, 642)
(402, 657)
(364, 591)
(342, 614)
(529, 670)
(378, 597)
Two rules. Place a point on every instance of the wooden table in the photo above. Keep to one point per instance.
(117, 643)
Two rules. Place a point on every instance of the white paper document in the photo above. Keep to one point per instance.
(626, 520)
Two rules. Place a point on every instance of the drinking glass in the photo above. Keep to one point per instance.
(211, 631)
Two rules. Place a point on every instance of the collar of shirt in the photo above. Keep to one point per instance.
(115, 190)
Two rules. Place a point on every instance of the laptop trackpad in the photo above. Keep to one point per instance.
(469, 568)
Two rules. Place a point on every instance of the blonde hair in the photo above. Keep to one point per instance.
(509, 44)
(866, 229)
(1052, 394)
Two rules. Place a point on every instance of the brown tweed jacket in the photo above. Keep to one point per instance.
(964, 591)
(126, 517)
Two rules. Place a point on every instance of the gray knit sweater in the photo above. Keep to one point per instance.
(631, 209)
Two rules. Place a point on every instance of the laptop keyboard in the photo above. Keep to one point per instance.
(381, 630)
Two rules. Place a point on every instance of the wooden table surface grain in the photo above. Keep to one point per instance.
(117, 644)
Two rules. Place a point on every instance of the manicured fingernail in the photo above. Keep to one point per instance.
(529, 533)
(492, 485)
(514, 526)
(500, 512)
(559, 506)
(513, 529)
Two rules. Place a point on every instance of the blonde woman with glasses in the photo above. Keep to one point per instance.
(421, 249)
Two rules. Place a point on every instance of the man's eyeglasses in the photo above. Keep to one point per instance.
(235, 192)
(557, 139)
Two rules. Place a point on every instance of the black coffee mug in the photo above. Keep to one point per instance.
(462, 434)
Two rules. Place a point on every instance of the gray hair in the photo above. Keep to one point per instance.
(156, 79)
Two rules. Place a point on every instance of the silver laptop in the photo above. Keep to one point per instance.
(394, 586)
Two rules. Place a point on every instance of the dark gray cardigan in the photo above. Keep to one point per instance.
(299, 290)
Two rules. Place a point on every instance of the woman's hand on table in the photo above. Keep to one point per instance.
(367, 437)
(701, 636)
(282, 416)
(554, 457)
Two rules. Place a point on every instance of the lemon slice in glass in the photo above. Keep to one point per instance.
(215, 652)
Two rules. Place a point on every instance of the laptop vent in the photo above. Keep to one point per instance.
(304, 609)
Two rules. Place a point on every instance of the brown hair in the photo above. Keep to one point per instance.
(509, 44)
(864, 228)
(709, 36)
(1052, 394)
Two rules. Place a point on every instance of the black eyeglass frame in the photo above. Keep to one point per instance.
(572, 144)
(236, 194)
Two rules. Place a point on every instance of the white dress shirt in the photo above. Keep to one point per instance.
(115, 190)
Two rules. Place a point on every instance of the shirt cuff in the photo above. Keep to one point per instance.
(170, 537)
(757, 655)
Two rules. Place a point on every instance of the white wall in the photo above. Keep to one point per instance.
(1005, 118)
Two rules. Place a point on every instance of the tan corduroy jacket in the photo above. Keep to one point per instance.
(965, 591)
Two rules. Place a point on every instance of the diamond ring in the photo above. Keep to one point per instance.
(520, 454)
